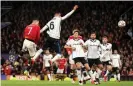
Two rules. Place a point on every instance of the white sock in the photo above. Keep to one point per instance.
(37, 54)
(87, 76)
(92, 75)
(82, 77)
(118, 76)
(56, 57)
(97, 75)
(79, 74)
(107, 72)
(52, 77)
(115, 76)
(49, 76)
(99, 72)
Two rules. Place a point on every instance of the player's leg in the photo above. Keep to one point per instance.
(95, 75)
(79, 72)
(85, 69)
(60, 73)
(90, 62)
(99, 68)
(51, 72)
(118, 74)
(37, 54)
(24, 48)
(108, 70)
(72, 68)
(31, 48)
(57, 49)
(114, 69)
(92, 74)
(45, 46)
(48, 73)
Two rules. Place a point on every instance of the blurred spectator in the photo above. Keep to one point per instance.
(130, 73)
(124, 71)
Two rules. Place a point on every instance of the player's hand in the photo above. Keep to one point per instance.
(75, 7)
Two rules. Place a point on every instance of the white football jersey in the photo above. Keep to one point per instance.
(115, 60)
(54, 25)
(77, 44)
(93, 48)
(105, 51)
(46, 59)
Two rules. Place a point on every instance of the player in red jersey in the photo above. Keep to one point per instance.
(31, 36)
(61, 65)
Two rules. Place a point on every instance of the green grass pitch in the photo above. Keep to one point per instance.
(60, 83)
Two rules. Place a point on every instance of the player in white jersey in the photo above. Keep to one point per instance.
(116, 63)
(78, 55)
(54, 29)
(93, 46)
(105, 55)
(46, 63)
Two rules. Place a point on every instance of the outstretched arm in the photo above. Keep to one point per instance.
(70, 13)
(44, 28)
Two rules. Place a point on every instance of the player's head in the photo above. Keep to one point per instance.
(57, 14)
(47, 51)
(35, 21)
(104, 39)
(93, 35)
(76, 33)
(115, 52)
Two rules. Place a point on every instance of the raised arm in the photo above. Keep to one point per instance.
(44, 28)
(70, 13)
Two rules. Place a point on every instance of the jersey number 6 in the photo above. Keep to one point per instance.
(52, 25)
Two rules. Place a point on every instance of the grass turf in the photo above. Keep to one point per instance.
(60, 83)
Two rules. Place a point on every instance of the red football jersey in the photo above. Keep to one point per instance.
(7, 70)
(32, 32)
(69, 51)
(61, 63)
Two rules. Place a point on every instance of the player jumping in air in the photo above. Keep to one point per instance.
(31, 36)
(105, 55)
(54, 29)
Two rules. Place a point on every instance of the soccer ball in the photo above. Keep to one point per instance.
(121, 23)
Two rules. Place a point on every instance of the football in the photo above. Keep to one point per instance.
(121, 23)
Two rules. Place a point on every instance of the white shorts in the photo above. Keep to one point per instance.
(30, 46)
(60, 71)
(71, 61)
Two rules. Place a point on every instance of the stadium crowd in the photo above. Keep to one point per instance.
(99, 16)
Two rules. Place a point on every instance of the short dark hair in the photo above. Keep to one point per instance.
(35, 18)
(105, 36)
(75, 30)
